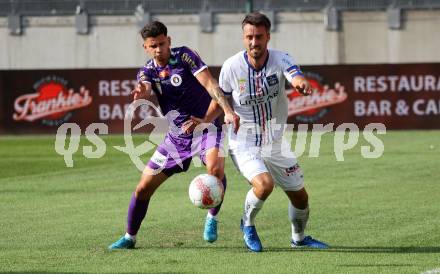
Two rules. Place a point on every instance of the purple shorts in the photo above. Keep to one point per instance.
(175, 153)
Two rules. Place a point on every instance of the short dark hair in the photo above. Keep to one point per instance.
(153, 29)
(256, 19)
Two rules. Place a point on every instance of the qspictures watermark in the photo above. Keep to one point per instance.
(346, 137)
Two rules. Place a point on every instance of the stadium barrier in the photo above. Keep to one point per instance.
(401, 96)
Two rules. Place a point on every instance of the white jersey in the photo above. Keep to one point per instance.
(259, 96)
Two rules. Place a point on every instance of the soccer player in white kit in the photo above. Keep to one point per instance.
(255, 79)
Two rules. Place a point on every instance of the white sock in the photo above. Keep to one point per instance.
(131, 237)
(251, 207)
(299, 218)
(211, 216)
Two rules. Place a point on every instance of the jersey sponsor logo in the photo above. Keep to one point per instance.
(187, 59)
(176, 80)
(309, 109)
(159, 159)
(272, 80)
(52, 102)
(172, 61)
(258, 100)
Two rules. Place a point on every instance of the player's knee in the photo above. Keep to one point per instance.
(143, 192)
(267, 186)
(300, 199)
(264, 188)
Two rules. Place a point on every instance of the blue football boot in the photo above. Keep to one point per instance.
(123, 243)
(251, 238)
(210, 233)
(308, 241)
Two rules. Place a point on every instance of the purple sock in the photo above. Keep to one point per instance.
(214, 211)
(136, 213)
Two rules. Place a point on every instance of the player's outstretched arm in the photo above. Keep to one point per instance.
(142, 91)
(211, 85)
(301, 85)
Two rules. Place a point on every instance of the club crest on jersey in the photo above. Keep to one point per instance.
(176, 80)
(241, 85)
(272, 79)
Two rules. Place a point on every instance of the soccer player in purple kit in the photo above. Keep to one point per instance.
(182, 83)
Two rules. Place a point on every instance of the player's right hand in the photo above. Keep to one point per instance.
(234, 119)
(141, 91)
(302, 85)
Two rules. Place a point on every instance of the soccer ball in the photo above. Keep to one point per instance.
(206, 191)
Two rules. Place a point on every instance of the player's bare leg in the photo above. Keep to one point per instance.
(215, 166)
(138, 207)
(299, 215)
(262, 186)
(148, 183)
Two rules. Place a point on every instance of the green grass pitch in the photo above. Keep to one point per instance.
(379, 215)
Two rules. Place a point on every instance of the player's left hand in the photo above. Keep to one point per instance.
(303, 86)
(189, 125)
(234, 119)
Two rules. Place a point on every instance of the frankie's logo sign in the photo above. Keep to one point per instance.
(309, 109)
(52, 102)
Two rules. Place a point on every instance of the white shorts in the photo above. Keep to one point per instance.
(277, 159)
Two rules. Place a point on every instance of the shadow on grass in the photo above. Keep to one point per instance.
(178, 247)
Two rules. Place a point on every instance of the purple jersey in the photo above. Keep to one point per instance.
(176, 86)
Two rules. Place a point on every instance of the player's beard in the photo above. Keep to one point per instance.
(256, 52)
